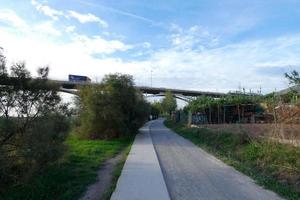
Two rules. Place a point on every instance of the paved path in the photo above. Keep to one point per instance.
(141, 177)
(191, 173)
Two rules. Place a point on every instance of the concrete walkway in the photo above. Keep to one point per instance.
(141, 177)
(193, 174)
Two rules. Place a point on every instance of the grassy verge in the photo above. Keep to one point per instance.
(69, 178)
(274, 166)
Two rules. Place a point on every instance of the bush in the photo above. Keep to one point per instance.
(112, 109)
(33, 122)
(34, 150)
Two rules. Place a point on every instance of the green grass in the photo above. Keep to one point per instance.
(272, 165)
(69, 178)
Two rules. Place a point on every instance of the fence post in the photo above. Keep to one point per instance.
(189, 118)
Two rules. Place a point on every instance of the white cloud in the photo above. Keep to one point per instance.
(225, 67)
(146, 45)
(63, 59)
(194, 37)
(17, 25)
(70, 29)
(56, 14)
(11, 18)
(221, 68)
(97, 45)
(47, 28)
(84, 18)
(47, 10)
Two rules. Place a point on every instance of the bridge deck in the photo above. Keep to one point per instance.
(148, 90)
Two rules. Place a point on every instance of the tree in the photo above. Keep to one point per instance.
(293, 95)
(156, 109)
(27, 100)
(169, 103)
(111, 109)
(33, 124)
(2, 63)
(293, 77)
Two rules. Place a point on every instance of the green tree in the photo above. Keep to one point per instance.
(33, 124)
(293, 95)
(111, 109)
(169, 103)
(156, 109)
(293, 77)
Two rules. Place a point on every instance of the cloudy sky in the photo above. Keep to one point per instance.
(212, 45)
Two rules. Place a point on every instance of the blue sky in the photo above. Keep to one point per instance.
(212, 45)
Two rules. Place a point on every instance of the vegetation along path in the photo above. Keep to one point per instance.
(191, 173)
(101, 188)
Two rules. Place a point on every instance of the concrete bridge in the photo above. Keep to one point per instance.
(185, 95)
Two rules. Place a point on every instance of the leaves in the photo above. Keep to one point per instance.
(169, 102)
(293, 77)
(112, 108)
(33, 123)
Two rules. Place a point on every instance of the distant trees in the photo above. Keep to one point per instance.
(111, 109)
(169, 103)
(156, 109)
(33, 124)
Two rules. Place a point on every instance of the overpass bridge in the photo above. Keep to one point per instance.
(185, 95)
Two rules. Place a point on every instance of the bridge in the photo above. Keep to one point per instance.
(185, 95)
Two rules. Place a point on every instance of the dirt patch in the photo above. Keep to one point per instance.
(104, 178)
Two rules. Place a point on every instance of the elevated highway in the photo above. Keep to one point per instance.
(185, 95)
(159, 91)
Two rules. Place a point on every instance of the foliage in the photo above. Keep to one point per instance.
(112, 108)
(293, 77)
(2, 63)
(32, 124)
(293, 95)
(204, 102)
(70, 178)
(273, 165)
(156, 109)
(169, 103)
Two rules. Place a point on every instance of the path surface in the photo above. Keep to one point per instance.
(191, 173)
(104, 179)
(141, 177)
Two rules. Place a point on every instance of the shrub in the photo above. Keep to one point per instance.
(33, 123)
(111, 109)
(37, 147)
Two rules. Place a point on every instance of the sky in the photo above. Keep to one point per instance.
(209, 45)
